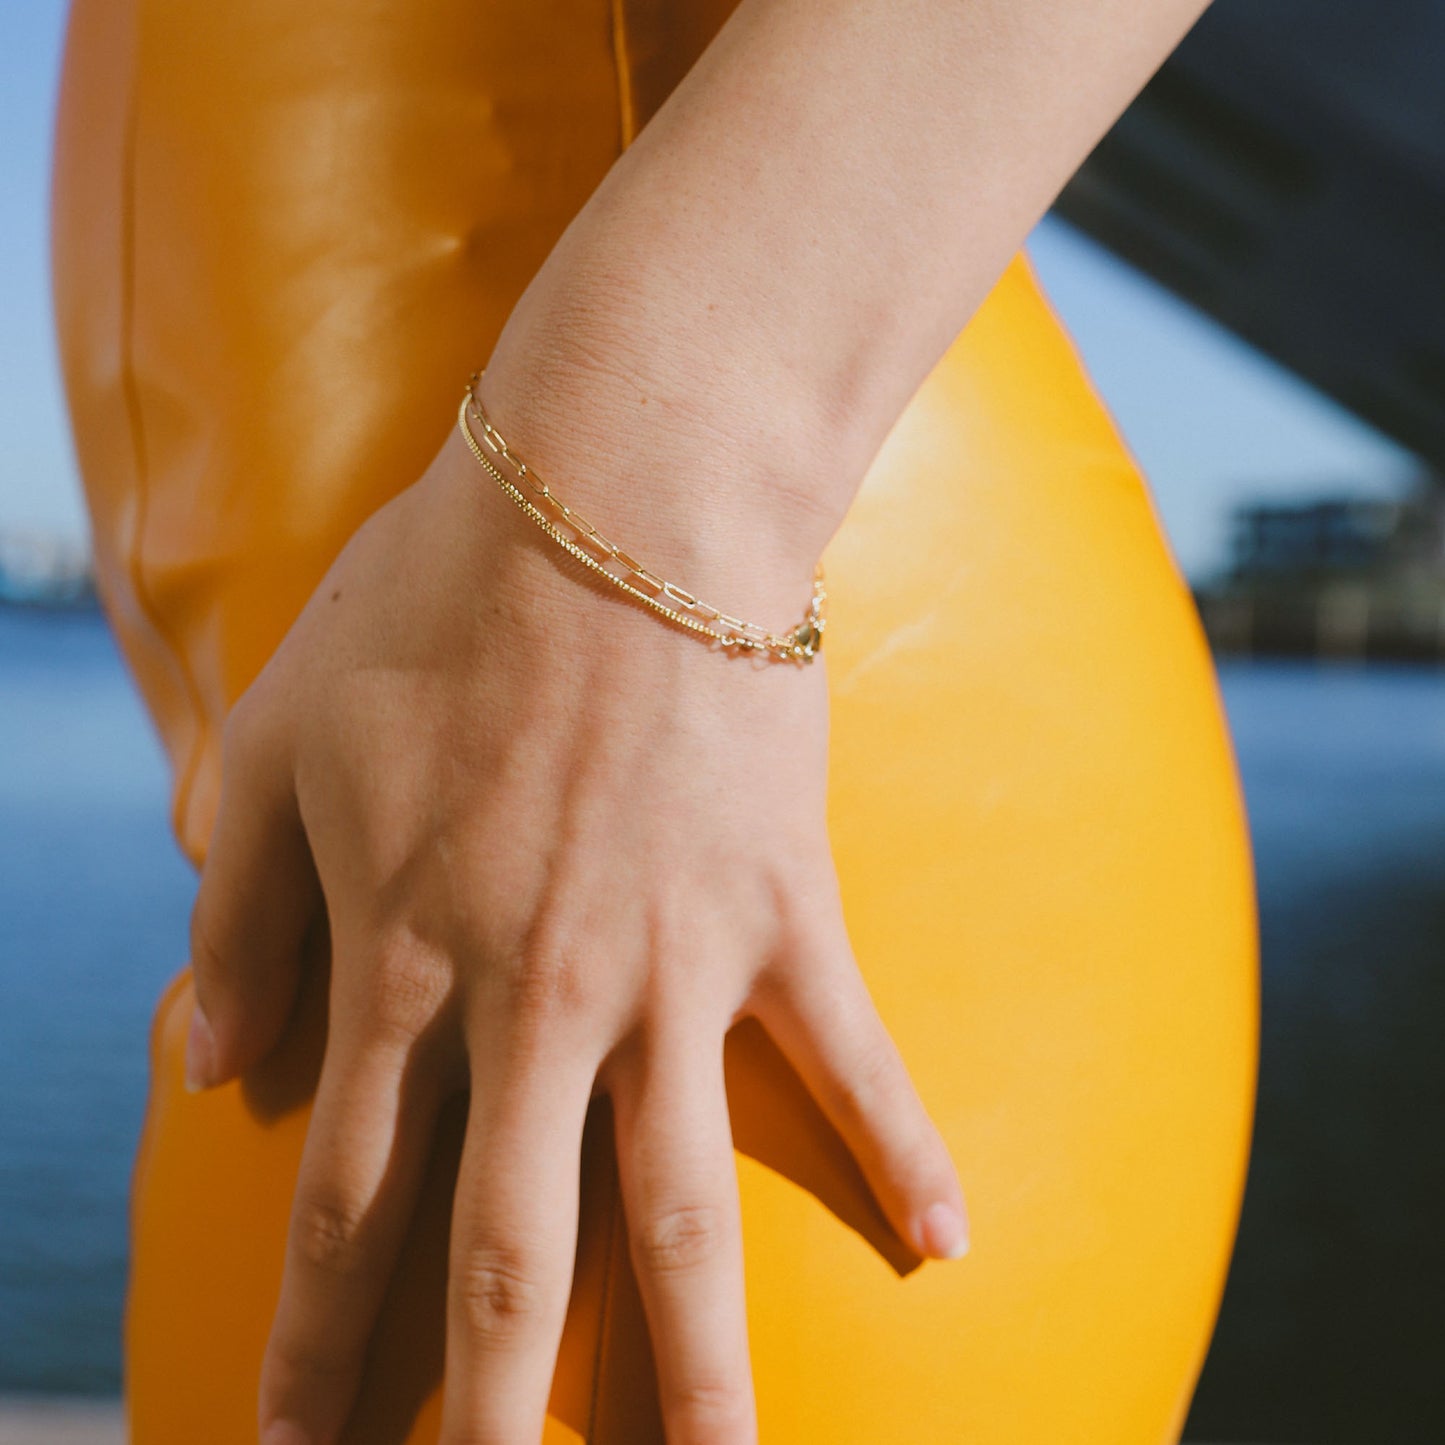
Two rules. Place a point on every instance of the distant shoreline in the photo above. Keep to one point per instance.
(38, 569)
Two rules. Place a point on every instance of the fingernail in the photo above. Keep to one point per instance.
(945, 1235)
(283, 1432)
(200, 1053)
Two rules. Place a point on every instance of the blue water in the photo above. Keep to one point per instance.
(1329, 1333)
(94, 898)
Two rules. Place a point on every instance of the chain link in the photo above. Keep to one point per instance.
(800, 645)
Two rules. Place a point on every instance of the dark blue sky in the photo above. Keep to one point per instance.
(1210, 420)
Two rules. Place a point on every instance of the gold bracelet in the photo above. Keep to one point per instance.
(800, 645)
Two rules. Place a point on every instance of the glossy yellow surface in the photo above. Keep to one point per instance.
(283, 236)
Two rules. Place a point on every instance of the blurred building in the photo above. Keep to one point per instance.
(39, 569)
(1337, 577)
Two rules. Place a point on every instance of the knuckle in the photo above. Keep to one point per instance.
(405, 992)
(679, 1239)
(908, 1166)
(861, 1093)
(499, 1290)
(713, 1409)
(329, 1234)
(548, 980)
(471, 1433)
(295, 1360)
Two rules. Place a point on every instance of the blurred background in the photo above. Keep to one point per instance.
(1251, 265)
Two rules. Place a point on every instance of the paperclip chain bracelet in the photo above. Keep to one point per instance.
(800, 645)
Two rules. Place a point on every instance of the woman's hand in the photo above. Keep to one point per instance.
(563, 847)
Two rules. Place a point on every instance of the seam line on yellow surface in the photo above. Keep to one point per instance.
(135, 568)
(626, 106)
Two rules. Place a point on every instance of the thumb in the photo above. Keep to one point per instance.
(258, 893)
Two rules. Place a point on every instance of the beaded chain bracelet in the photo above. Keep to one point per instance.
(800, 645)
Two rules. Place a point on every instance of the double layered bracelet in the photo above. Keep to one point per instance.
(590, 547)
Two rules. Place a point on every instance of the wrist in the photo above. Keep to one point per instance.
(677, 466)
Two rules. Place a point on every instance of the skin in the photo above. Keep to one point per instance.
(560, 844)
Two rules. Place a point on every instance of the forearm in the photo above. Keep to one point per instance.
(765, 277)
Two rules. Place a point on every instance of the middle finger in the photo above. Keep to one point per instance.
(514, 1227)
(684, 1224)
